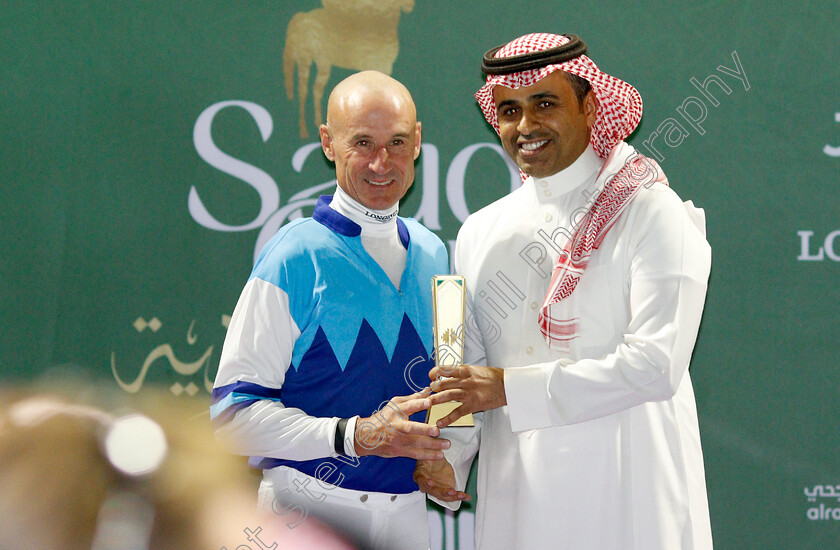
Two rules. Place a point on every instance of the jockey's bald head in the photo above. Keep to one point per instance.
(367, 86)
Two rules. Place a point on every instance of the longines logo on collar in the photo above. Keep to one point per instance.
(380, 217)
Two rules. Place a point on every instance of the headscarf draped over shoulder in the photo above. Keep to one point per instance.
(532, 57)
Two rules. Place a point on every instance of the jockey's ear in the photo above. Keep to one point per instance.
(417, 140)
(326, 142)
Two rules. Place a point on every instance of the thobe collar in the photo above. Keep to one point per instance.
(582, 171)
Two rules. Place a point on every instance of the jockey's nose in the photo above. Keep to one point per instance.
(379, 164)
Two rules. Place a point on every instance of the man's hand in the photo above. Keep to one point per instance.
(389, 432)
(477, 388)
(437, 478)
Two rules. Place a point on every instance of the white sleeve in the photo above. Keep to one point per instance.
(464, 446)
(668, 277)
(256, 355)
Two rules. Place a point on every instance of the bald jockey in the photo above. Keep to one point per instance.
(333, 323)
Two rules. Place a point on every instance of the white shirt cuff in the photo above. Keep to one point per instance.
(529, 404)
(349, 437)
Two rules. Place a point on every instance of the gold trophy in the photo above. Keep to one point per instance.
(448, 305)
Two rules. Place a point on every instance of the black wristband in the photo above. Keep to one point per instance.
(340, 428)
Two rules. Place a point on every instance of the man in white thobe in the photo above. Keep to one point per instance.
(585, 292)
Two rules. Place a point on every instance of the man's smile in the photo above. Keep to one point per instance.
(532, 147)
(381, 183)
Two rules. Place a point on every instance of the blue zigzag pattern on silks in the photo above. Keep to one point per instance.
(320, 387)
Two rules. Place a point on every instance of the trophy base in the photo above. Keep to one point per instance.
(436, 412)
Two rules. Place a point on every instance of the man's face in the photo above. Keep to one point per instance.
(373, 140)
(543, 127)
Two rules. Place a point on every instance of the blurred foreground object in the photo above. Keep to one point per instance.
(74, 475)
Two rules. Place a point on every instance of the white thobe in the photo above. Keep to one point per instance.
(600, 449)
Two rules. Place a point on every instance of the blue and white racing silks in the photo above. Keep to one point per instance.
(320, 333)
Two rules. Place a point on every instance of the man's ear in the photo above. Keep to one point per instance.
(417, 140)
(326, 142)
(590, 108)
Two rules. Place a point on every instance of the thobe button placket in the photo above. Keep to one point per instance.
(547, 193)
(393, 498)
(363, 498)
(548, 217)
(533, 305)
(529, 350)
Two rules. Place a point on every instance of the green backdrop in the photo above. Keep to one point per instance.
(146, 149)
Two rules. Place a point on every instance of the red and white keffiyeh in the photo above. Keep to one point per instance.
(620, 105)
(634, 171)
(619, 112)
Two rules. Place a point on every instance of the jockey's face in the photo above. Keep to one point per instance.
(373, 137)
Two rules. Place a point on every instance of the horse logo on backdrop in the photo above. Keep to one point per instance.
(350, 34)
